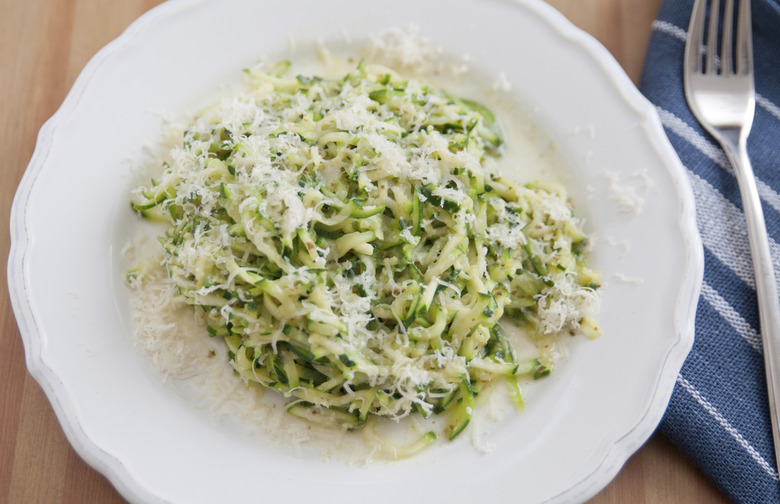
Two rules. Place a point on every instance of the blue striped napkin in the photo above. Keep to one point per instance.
(718, 413)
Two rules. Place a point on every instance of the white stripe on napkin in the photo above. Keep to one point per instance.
(715, 153)
(722, 229)
(712, 410)
(768, 106)
(732, 316)
(670, 29)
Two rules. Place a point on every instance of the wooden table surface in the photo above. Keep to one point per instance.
(44, 44)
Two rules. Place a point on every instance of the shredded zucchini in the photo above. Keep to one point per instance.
(353, 243)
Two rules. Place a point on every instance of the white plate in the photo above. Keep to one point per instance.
(71, 215)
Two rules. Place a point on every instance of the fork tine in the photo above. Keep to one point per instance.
(695, 37)
(744, 39)
(726, 45)
(712, 37)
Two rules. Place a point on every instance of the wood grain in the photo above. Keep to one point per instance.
(44, 44)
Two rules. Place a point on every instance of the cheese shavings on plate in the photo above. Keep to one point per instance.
(353, 243)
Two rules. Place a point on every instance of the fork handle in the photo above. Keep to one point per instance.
(766, 285)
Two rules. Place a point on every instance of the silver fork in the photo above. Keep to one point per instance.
(722, 97)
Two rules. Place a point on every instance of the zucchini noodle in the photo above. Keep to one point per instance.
(354, 244)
